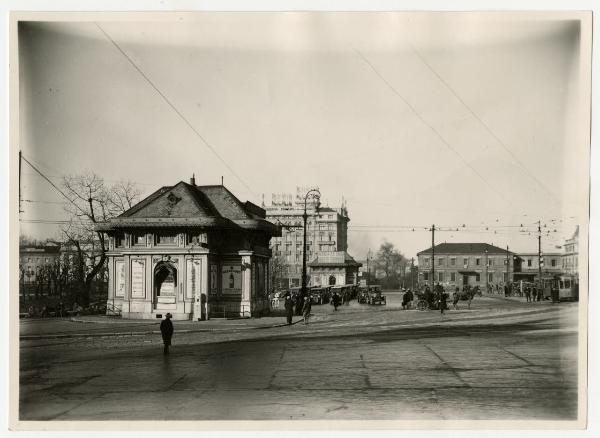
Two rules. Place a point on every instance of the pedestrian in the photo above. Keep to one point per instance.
(166, 330)
(528, 293)
(335, 300)
(505, 290)
(455, 298)
(289, 308)
(411, 297)
(469, 298)
(443, 298)
(306, 309)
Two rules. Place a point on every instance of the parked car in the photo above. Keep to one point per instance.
(375, 296)
(363, 295)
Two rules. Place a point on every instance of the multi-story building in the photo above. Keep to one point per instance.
(459, 264)
(326, 232)
(570, 262)
(33, 258)
(527, 265)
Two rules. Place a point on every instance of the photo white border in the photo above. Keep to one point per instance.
(266, 6)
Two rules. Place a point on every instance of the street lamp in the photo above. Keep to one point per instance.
(311, 194)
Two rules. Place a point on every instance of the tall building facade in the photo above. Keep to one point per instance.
(326, 233)
(570, 257)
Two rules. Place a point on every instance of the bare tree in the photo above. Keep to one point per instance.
(92, 202)
(390, 261)
(278, 268)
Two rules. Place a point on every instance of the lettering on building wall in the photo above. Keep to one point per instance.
(231, 278)
(138, 275)
(213, 279)
(193, 278)
(120, 279)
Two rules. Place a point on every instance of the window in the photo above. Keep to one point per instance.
(452, 276)
(477, 261)
(529, 262)
(138, 239)
(553, 262)
(166, 238)
(465, 262)
(440, 276)
(477, 277)
(440, 262)
(426, 261)
(490, 277)
(490, 262)
(453, 262)
(425, 276)
(118, 241)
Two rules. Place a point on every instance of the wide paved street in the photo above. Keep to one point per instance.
(502, 359)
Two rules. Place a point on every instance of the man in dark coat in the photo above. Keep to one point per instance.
(289, 308)
(166, 330)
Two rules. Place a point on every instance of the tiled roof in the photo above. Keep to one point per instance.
(465, 248)
(184, 205)
(340, 258)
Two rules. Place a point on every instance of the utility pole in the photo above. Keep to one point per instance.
(540, 259)
(368, 272)
(20, 210)
(412, 274)
(507, 266)
(432, 256)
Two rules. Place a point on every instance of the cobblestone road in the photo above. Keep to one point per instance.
(501, 360)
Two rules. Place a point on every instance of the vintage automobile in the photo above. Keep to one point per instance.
(319, 295)
(363, 295)
(375, 296)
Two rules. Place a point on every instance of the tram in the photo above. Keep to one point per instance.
(565, 288)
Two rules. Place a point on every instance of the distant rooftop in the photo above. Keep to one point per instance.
(465, 248)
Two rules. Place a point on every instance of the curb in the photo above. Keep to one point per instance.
(142, 333)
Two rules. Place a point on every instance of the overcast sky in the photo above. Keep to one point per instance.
(413, 118)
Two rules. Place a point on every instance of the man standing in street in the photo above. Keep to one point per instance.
(289, 308)
(306, 309)
(166, 330)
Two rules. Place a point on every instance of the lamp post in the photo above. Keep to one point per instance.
(314, 194)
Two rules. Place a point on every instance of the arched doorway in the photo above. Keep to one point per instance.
(165, 283)
(331, 280)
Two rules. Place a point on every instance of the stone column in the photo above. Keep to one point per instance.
(246, 303)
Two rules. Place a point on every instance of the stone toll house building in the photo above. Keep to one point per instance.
(192, 251)
(461, 264)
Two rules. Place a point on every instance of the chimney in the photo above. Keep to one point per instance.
(193, 180)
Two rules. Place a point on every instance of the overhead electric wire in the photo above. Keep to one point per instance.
(174, 108)
(431, 127)
(485, 125)
(55, 186)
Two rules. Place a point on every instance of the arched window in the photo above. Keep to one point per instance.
(331, 280)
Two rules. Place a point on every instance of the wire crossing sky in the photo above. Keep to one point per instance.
(413, 118)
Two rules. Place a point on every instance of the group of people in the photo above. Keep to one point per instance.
(289, 308)
(533, 293)
(438, 297)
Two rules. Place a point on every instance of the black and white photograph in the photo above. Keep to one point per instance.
(301, 217)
